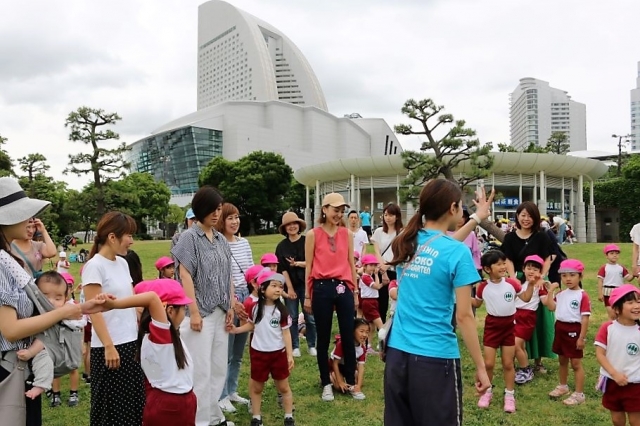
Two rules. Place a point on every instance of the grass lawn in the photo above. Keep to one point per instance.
(534, 406)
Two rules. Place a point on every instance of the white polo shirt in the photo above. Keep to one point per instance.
(531, 305)
(267, 334)
(500, 298)
(366, 291)
(571, 305)
(622, 343)
(612, 275)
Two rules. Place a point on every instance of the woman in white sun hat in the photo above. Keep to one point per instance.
(17, 325)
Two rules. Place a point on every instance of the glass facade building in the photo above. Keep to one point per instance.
(177, 156)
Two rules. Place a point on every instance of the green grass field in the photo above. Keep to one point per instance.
(534, 406)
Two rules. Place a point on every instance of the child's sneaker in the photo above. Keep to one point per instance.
(559, 391)
(485, 399)
(73, 399)
(234, 397)
(288, 421)
(327, 393)
(256, 422)
(575, 399)
(55, 400)
(524, 375)
(509, 403)
(539, 368)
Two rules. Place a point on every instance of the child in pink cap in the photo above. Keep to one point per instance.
(617, 348)
(166, 267)
(611, 276)
(164, 357)
(269, 260)
(573, 308)
(369, 286)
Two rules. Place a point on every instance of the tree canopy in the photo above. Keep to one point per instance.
(558, 143)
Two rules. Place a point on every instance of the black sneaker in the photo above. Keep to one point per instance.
(55, 400)
(256, 422)
(288, 421)
(73, 399)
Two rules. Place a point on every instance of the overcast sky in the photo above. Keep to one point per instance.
(139, 58)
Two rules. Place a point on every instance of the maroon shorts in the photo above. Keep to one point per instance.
(265, 363)
(621, 398)
(87, 333)
(163, 408)
(606, 301)
(370, 309)
(499, 331)
(566, 339)
(525, 323)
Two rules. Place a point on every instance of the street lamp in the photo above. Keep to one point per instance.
(620, 137)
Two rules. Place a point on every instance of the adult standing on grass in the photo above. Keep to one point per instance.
(203, 258)
(360, 237)
(331, 280)
(422, 377)
(291, 264)
(117, 380)
(365, 220)
(382, 244)
(18, 326)
(242, 259)
(529, 239)
(635, 253)
(33, 253)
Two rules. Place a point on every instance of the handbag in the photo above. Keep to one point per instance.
(385, 331)
(12, 400)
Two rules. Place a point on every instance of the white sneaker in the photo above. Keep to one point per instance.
(296, 353)
(327, 393)
(234, 397)
(226, 405)
(313, 352)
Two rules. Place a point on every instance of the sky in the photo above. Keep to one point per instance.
(138, 58)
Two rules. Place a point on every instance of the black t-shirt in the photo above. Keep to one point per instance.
(286, 249)
(517, 249)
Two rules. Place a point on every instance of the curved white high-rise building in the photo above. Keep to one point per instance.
(241, 57)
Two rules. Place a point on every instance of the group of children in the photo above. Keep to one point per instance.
(511, 320)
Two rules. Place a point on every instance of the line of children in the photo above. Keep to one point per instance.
(611, 276)
(500, 295)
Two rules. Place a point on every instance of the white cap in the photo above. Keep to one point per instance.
(62, 254)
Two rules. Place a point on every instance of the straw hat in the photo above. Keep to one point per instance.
(15, 206)
(290, 217)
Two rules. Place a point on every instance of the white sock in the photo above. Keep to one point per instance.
(257, 416)
(509, 392)
(288, 415)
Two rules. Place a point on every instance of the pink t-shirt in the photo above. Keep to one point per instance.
(500, 298)
(571, 305)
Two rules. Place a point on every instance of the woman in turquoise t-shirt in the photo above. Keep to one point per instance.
(422, 378)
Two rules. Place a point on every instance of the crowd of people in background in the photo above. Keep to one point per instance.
(170, 349)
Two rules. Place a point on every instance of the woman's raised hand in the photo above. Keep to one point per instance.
(483, 203)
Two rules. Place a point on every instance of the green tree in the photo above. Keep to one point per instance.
(557, 143)
(152, 198)
(256, 184)
(447, 151)
(46, 188)
(86, 126)
(6, 165)
(503, 147)
(532, 148)
(295, 200)
(33, 165)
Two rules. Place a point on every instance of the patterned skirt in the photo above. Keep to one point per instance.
(117, 396)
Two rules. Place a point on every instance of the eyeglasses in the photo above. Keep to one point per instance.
(332, 244)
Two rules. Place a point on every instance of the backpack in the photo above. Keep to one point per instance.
(63, 344)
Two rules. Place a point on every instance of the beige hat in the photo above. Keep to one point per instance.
(290, 217)
(334, 200)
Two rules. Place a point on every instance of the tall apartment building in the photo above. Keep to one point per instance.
(635, 115)
(537, 110)
(241, 57)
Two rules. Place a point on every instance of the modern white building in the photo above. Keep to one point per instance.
(241, 57)
(635, 115)
(537, 110)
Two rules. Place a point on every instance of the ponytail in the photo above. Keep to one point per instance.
(404, 246)
(178, 349)
(95, 247)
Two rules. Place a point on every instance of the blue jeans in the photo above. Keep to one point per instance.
(327, 294)
(293, 306)
(562, 232)
(236, 351)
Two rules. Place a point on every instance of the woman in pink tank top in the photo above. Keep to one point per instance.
(331, 284)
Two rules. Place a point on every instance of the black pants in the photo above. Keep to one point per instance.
(383, 296)
(421, 391)
(328, 294)
(34, 406)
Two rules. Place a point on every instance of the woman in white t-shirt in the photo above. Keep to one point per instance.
(117, 385)
(382, 239)
(635, 239)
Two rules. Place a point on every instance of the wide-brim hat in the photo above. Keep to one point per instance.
(290, 217)
(15, 206)
(334, 200)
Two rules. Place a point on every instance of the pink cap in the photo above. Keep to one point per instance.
(534, 258)
(270, 276)
(356, 254)
(163, 262)
(268, 258)
(68, 278)
(622, 291)
(611, 247)
(168, 290)
(369, 259)
(251, 273)
(571, 265)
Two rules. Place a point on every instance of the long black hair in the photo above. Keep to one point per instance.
(262, 299)
(145, 320)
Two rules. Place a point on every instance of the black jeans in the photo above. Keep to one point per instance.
(421, 391)
(327, 294)
(34, 406)
(383, 296)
